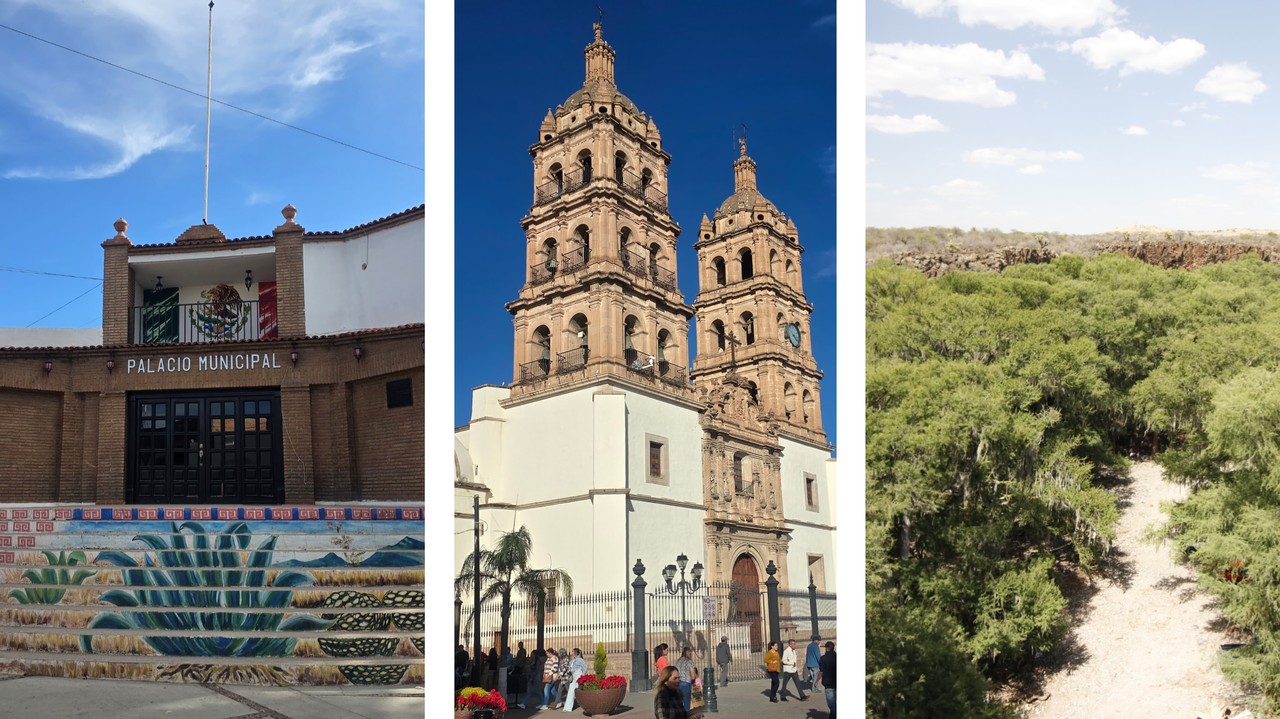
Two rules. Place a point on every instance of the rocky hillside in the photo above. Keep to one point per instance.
(938, 250)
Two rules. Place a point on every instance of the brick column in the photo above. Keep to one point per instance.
(111, 449)
(117, 287)
(70, 448)
(291, 309)
(295, 418)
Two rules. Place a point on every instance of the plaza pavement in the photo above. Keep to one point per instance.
(57, 698)
(739, 700)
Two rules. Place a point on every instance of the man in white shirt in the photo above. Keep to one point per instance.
(789, 671)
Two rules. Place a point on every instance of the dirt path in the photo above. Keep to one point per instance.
(1146, 642)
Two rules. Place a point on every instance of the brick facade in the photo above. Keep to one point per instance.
(65, 430)
(66, 436)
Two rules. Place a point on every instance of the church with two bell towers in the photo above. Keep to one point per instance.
(636, 425)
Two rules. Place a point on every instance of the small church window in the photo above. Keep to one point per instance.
(658, 470)
(810, 492)
(619, 166)
(717, 329)
(718, 265)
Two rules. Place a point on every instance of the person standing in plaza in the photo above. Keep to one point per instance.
(723, 657)
(577, 667)
(491, 664)
(660, 657)
(550, 674)
(564, 668)
(537, 660)
(827, 676)
(518, 680)
(811, 656)
(686, 666)
(790, 670)
(772, 664)
(667, 702)
(460, 661)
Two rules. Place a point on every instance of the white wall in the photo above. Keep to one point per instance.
(341, 296)
(50, 337)
(797, 460)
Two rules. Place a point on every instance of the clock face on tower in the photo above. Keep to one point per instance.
(793, 334)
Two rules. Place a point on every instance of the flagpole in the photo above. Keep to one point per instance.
(208, 93)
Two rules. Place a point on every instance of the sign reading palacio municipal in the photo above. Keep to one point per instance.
(203, 363)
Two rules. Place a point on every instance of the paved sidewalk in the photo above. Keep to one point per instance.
(740, 700)
(41, 697)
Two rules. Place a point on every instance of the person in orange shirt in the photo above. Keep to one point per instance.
(773, 665)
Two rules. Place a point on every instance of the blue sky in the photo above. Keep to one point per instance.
(82, 143)
(1076, 116)
(699, 69)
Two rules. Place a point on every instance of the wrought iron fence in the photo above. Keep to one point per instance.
(698, 620)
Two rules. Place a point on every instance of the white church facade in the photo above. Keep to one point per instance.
(613, 441)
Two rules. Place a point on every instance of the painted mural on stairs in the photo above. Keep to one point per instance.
(260, 595)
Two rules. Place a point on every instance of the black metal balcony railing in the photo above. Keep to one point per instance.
(211, 321)
(571, 360)
(674, 376)
(643, 266)
(636, 186)
(535, 370)
(627, 181)
(566, 183)
(574, 259)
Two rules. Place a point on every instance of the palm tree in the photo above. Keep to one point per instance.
(505, 569)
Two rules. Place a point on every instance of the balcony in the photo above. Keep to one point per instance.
(536, 370)
(642, 266)
(571, 360)
(627, 181)
(203, 322)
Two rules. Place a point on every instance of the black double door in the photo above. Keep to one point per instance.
(205, 448)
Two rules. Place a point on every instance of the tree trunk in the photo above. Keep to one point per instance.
(904, 541)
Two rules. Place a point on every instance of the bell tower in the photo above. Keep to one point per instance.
(753, 317)
(600, 293)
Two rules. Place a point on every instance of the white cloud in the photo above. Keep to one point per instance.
(1134, 53)
(129, 140)
(1210, 116)
(1193, 107)
(960, 187)
(271, 58)
(1010, 156)
(897, 125)
(1237, 172)
(1052, 15)
(1178, 123)
(1232, 82)
(959, 73)
(1031, 170)
(1135, 130)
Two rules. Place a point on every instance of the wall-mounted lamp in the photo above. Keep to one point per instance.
(359, 352)
(48, 366)
(111, 362)
(159, 284)
(248, 279)
(293, 355)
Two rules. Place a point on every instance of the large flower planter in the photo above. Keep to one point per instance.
(600, 702)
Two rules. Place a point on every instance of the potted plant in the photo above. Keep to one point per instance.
(474, 701)
(597, 693)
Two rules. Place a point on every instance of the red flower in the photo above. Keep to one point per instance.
(591, 681)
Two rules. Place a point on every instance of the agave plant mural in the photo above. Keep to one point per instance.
(55, 573)
(208, 588)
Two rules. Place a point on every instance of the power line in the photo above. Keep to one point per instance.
(73, 299)
(49, 274)
(201, 95)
